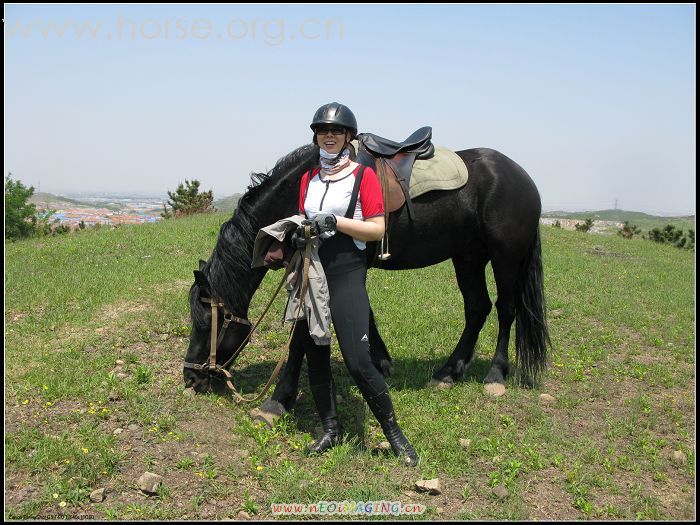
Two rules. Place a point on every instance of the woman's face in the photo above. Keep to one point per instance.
(331, 138)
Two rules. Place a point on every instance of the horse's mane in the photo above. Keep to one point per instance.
(226, 261)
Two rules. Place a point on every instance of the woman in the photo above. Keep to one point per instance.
(344, 202)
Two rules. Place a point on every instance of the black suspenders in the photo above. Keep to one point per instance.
(355, 192)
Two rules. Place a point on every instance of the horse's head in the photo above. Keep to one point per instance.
(199, 348)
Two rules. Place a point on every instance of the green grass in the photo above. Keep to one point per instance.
(621, 315)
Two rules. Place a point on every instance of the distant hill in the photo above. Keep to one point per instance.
(58, 201)
(228, 204)
(645, 221)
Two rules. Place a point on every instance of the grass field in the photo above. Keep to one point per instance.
(96, 327)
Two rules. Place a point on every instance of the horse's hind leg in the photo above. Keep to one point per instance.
(471, 278)
(505, 275)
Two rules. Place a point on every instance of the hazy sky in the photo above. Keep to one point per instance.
(596, 102)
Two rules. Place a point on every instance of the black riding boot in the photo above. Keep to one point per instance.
(383, 409)
(324, 397)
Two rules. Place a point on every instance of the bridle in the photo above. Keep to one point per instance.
(210, 365)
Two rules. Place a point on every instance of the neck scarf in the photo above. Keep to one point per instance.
(332, 164)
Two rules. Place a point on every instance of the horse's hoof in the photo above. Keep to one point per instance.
(495, 389)
(440, 385)
(267, 418)
(273, 407)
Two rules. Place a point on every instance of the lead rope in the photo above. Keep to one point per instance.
(280, 362)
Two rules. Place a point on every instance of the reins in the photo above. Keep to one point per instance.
(211, 366)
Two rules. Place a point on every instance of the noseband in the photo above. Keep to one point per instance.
(216, 341)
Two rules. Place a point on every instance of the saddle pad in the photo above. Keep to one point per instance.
(443, 171)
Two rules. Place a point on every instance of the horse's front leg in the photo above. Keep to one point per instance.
(377, 349)
(285, 395)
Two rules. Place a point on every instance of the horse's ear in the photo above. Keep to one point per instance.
(202, 264)
(201, 279)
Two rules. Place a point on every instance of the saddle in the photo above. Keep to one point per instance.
(393, 163)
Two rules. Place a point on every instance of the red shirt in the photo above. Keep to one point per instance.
(334, 196)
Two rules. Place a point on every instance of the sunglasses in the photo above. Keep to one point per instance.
(334, 131)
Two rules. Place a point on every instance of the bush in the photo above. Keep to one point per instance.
(586, 226)
(673, 236)
(188, 200)
(629, 230)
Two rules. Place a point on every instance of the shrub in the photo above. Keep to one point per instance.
(628, 230)
(188, 200)
(586, 226)
(669, 234)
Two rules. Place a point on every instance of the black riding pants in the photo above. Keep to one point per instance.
(345, 267)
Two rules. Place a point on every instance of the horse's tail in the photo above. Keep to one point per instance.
(531, 332)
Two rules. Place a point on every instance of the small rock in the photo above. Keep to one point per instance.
(431, 486)
(189, 392)
(113, 396)
(243, 515)
(546, 399)
(440, 385)
(122, 375)
(464, 443)
(439, 510)
(679, 458)
(149, 482)
(119, 362)
(117, 431)
(97, 496)
(266, 417)
(495, 389)
(500, 491)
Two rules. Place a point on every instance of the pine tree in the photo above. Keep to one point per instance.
(187, 200)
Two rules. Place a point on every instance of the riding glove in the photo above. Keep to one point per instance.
(324, 225)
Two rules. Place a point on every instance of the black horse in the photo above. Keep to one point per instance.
(494, 217)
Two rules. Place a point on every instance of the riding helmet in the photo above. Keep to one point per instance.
(335, 113)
